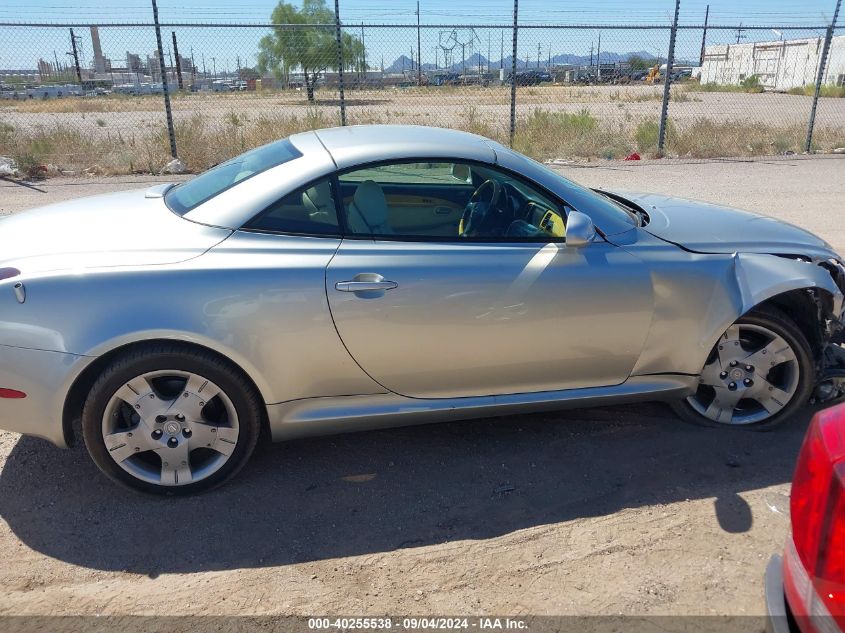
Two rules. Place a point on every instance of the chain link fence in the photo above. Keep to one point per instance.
(92, 97)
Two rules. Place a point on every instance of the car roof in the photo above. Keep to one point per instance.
(325, 151)
(361, 144)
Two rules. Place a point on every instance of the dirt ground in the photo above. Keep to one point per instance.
(621, 510)
(447, 107)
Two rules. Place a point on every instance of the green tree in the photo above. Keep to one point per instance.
(310, 49)
(640, 63)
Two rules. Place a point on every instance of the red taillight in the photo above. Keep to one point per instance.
(8, 273)
(817, 508)
(11, 393)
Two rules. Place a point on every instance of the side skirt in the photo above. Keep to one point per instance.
(345, 414)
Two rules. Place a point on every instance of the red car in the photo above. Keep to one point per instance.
(805, 590)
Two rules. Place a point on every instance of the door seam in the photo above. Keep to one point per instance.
(334, 323)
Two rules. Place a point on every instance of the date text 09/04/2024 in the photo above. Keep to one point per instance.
(411, 623)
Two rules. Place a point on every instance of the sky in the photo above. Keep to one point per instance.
(228, 48)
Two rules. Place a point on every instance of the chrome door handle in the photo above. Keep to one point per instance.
(365, 282)
(363, 286)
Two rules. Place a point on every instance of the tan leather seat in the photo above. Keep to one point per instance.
(319, 203)
(368, 210)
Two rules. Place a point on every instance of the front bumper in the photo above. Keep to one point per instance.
(45, 378)
(777, 610)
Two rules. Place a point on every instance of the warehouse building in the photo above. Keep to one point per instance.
(779, 65)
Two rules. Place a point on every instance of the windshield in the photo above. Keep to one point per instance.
(582, 198)
(192, 193)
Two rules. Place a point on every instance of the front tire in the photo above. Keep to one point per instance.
(170, 419)
(757, 376)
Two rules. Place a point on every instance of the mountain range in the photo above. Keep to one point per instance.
(403, 62)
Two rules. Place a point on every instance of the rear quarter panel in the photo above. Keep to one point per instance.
(257, 299)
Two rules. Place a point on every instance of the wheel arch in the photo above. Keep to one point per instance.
(805, 292)
(80, 387)
(807, 308)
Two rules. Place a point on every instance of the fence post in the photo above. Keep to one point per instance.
(338, 37)
(667, 82)
(171, 132)
(820, 78)
(178, 61)
(76, 59)
(513, 71)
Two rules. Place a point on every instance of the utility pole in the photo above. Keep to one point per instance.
(488, 52)
(419, 50)
(75, 57)
(538, 54)
(502, 55)
(704, 36)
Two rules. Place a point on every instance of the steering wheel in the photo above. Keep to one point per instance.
(479, 209)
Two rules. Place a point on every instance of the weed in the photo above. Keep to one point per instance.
(824, 91)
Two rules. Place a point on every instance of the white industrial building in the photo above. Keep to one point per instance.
(779, 65)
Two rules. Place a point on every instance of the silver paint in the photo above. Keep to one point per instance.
(462, 329)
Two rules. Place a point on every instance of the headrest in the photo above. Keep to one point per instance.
(318, 199)
(369, 200)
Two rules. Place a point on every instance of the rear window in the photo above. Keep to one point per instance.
(192, 193)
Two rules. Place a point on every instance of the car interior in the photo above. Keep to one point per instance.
(423, 199)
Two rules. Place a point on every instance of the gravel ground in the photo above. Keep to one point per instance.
(618, 104)
(619, 510)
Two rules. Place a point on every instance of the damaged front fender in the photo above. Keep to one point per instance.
(697, 300)
(761, 277)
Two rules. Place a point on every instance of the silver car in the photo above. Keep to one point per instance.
(375, 276)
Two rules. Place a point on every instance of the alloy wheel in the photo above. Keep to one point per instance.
(751, 375)
(170, 427)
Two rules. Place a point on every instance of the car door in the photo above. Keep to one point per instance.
(448, 316)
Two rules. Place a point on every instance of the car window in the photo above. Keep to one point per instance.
(192, 193)
(310, 210)
(412, 173)
(446, 200)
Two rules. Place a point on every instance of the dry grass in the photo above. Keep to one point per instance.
(542, 134)
(750, 85)
(493, 94)
(201, 144)
(837, 92)
(705, 138)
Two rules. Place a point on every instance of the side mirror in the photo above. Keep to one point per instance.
(461, 171)
(580, 230)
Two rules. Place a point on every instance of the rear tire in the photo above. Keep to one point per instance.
(778, 383)
(170, 419)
